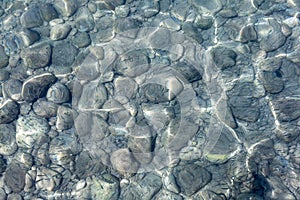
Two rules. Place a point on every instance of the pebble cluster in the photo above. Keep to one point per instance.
(152, 100)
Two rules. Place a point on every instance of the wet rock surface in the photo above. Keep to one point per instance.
(118, 99)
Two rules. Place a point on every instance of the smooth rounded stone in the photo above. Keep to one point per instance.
(58, 93)
(272, 81)
(204, 6)
(3, 57)
(29, 37)
(140, 143)
(150, 8)
(154, 93)
(84, 20)
(14, 177)
(48, 179)
(248, 34)
(81, 39)
(13, 88)
(93, 96)
(122, 11)
(203, 22)
(36, 86)
(64, 54)
(191, 178)
(8, 144)
(127, 27)
(132, 64)
(125, 87)
(30, 129)
(270, 35)
(223, 57)
(65, 7)
(48, 12)
(245, 109)
(104, 27)
(64, 148)
(14, 196)
(287, 109)
(60, 31)
(64, 118)
(31, 18)
(123, 161)
(45, 108)
(4, 74)
(87, 165)
(37, 56)
(9, 111)
(188, 71)
(2, 194)
(160, 39)
(88, 69)
(89, 125)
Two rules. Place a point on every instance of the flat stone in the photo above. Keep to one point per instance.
(191, 178)
(88, 69)
(3, 57)
(125, 87)
(60, 31)
(188, 71)
(64, 54)
(287, 109)
(65, 118)
(45, 108)
(9, 111)
(48, 12)
(30, 129)
(223, 57)
(248, 33)
(123, 161)
(244, 108)
(31, 18)
(36, 86)
(93, 96)
(160, 39)
(127, 27)
(81, 39)
(8, 144)
(105, 31)
(37, 56)
(132, 64)
(14, 177)
(58, 93)
(84, 20)
(66, 8)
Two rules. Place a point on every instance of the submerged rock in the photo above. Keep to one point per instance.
(8, 143)
(37, 56)
(9, 111)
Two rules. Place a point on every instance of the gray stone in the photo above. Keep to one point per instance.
(48, 179)
(191, 31)
(122, 11)
(4, 74)
(45, 108)
(112, 4)
(105, 31)
(160, 39)
(2, 194)
(65, 118)
(223, 57)
(154, 93)
(58, 93)
(203, 22)
(29, 37)
(9, 111)
(60, 31)
(81, 40)
(247, 196)
(36, 86)
(13, 88)
(188, 71)
(272, 81)
(244, 108)
(270, 64)
(132, 64)
(3, 57)
(2, 168)
(48, 12)
(93, 96)
(131, 87)
(191, 178)
(31, 18)
(14, 177)
(37, 56)
(84, 20)
(248, 34)
(204, 6)
(150, 8)
(287, 109)
(8, 144)
(64, 54)
(127, 24)
(88, 69)
(65, 7)
(123, 161)
(30, 130)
